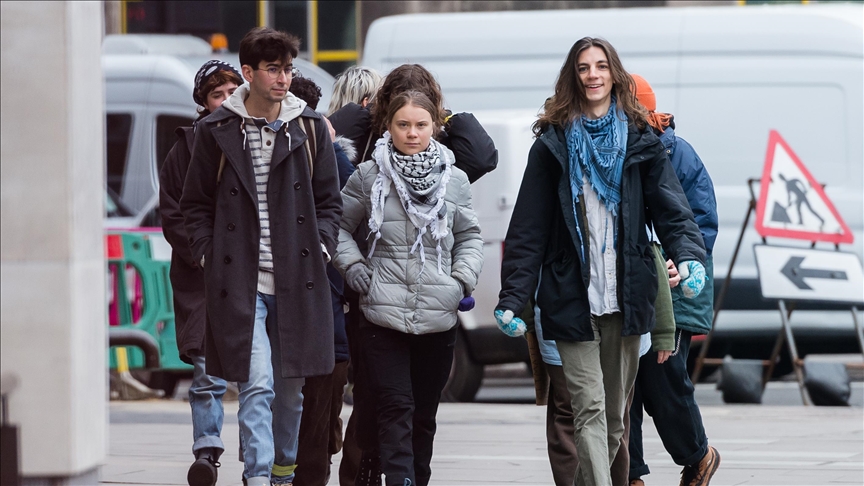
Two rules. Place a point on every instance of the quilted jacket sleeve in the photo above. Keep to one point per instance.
(468, 244)
(354, 199)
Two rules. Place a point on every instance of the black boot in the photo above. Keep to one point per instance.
(202, 472)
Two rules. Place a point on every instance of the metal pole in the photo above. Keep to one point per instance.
(793, 351)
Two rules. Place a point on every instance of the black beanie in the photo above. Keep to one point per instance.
(208, 69)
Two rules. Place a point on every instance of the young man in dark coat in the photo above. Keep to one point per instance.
(262, 208)
(214, 83)
(579, 228)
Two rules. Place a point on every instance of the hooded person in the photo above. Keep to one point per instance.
(665, 391)
(262, 208)
(214, 83)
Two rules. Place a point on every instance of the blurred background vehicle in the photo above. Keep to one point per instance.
(728, 74)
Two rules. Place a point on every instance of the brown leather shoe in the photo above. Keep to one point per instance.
(700, 474)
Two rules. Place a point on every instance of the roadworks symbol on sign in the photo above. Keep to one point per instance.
(791, 203)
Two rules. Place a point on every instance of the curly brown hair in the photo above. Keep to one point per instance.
(569, 99)
(407, 77)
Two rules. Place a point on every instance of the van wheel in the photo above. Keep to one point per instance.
(465, 374)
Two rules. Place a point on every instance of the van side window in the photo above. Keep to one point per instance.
(118, 128)
(165, 136)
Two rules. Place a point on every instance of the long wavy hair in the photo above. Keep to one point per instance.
(407, 77)
(569, 100)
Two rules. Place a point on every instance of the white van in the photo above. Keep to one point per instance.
(149, 80)
(728, 74)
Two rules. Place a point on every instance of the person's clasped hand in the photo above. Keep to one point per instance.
(509, 325)
(358, 278)
(692, 275)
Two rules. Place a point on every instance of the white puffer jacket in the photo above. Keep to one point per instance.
(400, 296)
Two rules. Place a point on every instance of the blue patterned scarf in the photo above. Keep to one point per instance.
(597, 149)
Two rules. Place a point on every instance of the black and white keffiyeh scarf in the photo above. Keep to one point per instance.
(421, 183)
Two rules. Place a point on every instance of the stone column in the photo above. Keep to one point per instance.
(52, 287)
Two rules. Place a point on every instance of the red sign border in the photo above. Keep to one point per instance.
(845, 236)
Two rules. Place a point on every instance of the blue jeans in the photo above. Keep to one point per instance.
(270, 406)
(666, 393)
(205, 398)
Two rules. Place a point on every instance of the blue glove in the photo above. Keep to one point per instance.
(509, 325)
(466, 304)
(692, 278)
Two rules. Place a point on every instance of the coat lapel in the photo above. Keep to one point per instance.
(565, 195)
(230, 139)
(287, 140)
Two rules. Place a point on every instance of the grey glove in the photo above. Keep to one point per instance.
(358, 277)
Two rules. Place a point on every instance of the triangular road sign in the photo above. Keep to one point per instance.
(791, 203)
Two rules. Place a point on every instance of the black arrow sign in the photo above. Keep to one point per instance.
(793, 271)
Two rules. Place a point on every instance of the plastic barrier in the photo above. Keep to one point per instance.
(140, 296)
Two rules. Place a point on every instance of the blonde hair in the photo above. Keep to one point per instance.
(352, 86)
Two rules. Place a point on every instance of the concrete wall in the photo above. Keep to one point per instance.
(52, 287)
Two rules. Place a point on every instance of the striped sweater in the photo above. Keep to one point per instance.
(260, 139)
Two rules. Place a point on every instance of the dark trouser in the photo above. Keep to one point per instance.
(667, 395)
(559, 435)
(361, 434)
(317, 425)
(406, 372)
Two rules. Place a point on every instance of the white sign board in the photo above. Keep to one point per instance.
(160, 250)
(805, 274)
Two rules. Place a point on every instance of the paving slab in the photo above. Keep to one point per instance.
(482, 444)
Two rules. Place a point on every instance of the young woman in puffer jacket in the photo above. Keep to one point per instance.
(474, 153)
(424, 257)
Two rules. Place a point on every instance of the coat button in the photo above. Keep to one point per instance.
(231, 226)
(234, 191)
(297, 186)
(191, 240)
(304, 252)
(224, 293)
(227, 259)
(300, 219)
(668, 151)
(269, 143)
(310, 285)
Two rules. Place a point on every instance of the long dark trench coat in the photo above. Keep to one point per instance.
(222, 222)
(187, 280)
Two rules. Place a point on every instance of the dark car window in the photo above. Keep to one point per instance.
(118, 129)
(165, 136)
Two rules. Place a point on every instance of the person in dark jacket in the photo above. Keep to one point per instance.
(214, 83)
(579, 229)
(262, 208)
(353, 93)
(665, 390)
(320, 424)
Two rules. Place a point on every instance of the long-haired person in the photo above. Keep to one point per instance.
(596, 175)
(214, 83)
(424, 258)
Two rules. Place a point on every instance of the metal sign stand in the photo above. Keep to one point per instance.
(785, 333)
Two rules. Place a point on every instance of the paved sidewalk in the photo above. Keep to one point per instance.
(502, 444)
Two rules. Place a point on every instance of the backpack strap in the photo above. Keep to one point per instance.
(308, 127)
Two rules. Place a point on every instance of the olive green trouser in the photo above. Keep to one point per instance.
(600, 375)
